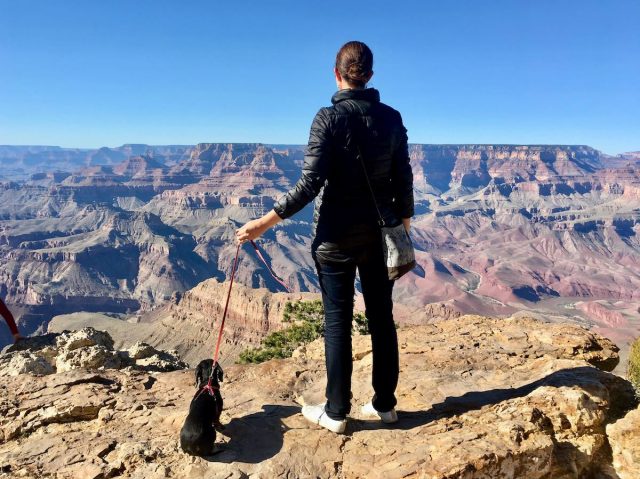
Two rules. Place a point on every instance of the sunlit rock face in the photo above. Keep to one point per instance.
(548, 229)
(86, 349)
(478, 397)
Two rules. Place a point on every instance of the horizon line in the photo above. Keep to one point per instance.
(300, 145)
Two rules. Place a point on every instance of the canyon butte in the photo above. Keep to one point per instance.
(544, 230)
(514, 327)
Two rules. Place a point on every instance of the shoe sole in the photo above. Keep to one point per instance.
(313, 420)
(375, 414)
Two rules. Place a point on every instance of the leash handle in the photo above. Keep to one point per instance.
(226, 306)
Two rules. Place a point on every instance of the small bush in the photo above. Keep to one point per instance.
(306, 319)
(633, 366)
(361, 324)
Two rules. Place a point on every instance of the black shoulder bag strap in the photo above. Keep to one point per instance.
(381, 221)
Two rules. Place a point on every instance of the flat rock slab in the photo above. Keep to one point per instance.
(478, 398)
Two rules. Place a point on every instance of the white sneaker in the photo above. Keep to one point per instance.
(387, 417)
(317, 415)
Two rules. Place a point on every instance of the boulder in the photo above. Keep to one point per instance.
(22, 362)
(624, 437)
(83, 349)
(70, 340)
(160, 362)
(88, 357)
(141, 350)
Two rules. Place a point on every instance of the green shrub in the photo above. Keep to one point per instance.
(633, 366)
(306, 319)
(360, 323)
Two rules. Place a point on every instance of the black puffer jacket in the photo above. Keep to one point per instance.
(345, 216)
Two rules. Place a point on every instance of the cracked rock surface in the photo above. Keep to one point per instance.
(478, 398)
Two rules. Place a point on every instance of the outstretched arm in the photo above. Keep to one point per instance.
(314, 170)
(255, 228)
(314, 174)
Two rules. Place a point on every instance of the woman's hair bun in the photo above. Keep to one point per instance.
(354, 61)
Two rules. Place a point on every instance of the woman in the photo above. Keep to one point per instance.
(357, 128)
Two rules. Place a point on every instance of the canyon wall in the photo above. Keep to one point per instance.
(498, 229)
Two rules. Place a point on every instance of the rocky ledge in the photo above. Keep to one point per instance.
(478, 398)
(82, 349)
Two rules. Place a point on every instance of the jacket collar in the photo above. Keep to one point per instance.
(367, 94)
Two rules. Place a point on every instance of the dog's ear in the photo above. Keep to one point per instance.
(199, 376)
(219, 373)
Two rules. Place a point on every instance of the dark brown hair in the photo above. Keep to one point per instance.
(354, 61)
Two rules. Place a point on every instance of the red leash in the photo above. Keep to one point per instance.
(273, 275)
(226, 306)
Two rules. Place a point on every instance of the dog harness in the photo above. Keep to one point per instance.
(209, 387)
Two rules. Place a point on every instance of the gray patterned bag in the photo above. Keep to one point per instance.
(396, 243)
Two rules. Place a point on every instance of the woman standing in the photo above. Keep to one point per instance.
(357, 128)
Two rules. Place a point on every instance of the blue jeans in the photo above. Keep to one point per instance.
(337, 285)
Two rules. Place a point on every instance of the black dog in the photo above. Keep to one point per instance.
(198, 433)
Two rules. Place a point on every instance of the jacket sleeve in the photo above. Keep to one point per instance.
(402, 177)
(314, 170)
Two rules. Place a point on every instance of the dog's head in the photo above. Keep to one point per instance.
(205, 370)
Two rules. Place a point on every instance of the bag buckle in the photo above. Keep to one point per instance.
(381, 223)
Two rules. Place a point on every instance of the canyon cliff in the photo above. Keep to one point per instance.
(545, 229)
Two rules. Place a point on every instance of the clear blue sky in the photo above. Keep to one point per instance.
(103, 73)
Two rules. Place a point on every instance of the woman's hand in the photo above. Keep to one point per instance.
(251, 230)
(407, 223)
(256, 228)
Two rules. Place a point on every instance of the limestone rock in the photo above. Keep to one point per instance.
(145, 357)
(88, 357)
(478, 398)
(33, 343)
(22, 362)
(141, 350)
(160, 361)
(83, 349)
(624, 437)
(84, 337)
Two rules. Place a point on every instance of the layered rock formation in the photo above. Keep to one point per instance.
(20, 162)
(190, 323)
(499, 229)
(478, 397)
